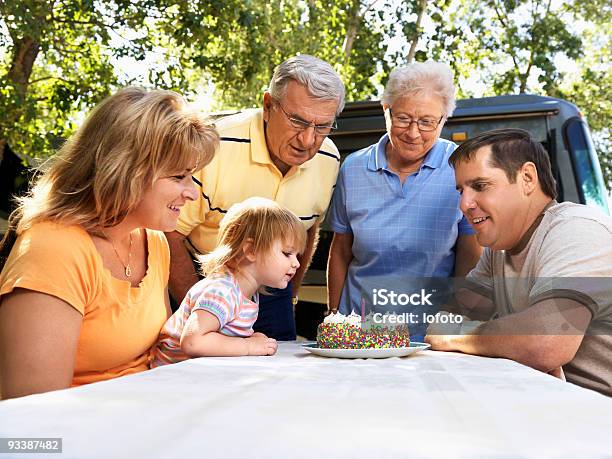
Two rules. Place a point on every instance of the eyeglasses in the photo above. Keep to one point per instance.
(301, 125)
(424, 124)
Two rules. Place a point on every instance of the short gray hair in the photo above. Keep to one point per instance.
(316, 75)
(430, 78)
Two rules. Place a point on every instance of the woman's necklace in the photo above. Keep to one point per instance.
(126, 266)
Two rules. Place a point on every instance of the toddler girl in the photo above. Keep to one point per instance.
(258, 246)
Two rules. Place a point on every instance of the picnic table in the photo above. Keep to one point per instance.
(298, 405)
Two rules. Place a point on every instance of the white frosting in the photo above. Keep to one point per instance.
(391, 320)
(339, 318)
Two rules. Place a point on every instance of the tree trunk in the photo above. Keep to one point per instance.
(417, 30)
(25, 51)
(352, 27)
(523, 80)
(351, 33)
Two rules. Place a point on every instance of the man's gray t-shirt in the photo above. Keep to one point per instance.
(568, 255)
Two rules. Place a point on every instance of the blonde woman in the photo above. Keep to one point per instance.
(85, 264)
(259, 245)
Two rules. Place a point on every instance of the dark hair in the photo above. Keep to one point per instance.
(510, 149)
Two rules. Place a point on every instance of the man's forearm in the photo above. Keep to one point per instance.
(520, 348)
(539, 336)
(485, 345)
(182, 272)
(306, 257)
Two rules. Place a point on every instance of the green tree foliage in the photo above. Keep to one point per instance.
(538, 46)
(509, 42)
(55, 63)
(59, 57)
(241, 59)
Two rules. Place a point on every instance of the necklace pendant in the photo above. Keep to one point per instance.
(128, 271)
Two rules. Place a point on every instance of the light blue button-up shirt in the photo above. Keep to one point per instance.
(399, 230)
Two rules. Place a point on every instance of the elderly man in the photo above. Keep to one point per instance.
(545, 267)
(282, 153)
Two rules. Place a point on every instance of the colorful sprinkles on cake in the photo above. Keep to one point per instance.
(345, 332)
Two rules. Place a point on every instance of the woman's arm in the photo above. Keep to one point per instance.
(38, 342)
(467, 254)
(201, 338)
(340, 255)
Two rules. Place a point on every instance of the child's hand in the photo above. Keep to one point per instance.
(260, 344)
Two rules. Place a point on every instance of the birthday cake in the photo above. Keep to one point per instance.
(347, 332)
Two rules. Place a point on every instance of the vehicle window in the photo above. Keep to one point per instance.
(536, 126)
(586, 164)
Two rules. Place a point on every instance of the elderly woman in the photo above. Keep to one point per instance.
(395, 211)
(85, 264)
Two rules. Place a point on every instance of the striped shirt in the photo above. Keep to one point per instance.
(218, 294)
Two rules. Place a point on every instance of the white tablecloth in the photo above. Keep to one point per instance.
(297, 405)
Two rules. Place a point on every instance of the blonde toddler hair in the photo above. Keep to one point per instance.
(259, 221)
